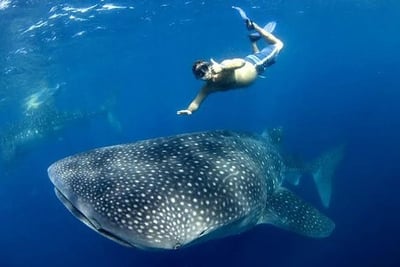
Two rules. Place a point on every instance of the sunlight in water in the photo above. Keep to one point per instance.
(4, 4)
(43, 95)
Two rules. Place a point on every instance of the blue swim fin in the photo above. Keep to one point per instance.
(249, 23)
(241, 12)
(254, 37)
(270, 27)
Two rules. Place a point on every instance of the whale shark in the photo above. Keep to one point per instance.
(21, 136)
(175, 191)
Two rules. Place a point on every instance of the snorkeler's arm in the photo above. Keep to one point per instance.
(227, 64)
(269, 37)
(195, 104)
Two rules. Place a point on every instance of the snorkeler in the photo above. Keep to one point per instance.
(237, 72)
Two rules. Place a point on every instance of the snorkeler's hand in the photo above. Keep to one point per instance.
(184, 112)
(215, 67)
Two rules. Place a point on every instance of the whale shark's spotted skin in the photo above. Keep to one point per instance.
(173, 191)
(36, 126)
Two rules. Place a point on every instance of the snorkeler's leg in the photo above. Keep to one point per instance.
(269, 37)
(195, 104)
(254, 47)
(254, 37)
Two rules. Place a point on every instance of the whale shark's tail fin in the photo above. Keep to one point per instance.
(287, 211)
(323, 169)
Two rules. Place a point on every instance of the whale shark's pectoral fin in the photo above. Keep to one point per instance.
(286, 210)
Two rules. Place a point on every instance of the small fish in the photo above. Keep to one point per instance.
(170, 192)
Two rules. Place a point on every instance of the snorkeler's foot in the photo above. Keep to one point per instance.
(249, 24)
(254, 37)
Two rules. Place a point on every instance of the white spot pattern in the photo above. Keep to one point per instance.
(167, 192)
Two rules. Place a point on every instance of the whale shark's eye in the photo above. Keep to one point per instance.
(178, 245)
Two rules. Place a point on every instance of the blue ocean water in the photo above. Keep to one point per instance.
(115, 72)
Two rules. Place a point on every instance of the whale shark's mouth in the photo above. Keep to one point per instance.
(61, 177)
(92, 223)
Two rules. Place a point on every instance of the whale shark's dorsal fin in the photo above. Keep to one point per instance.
(286, 210)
